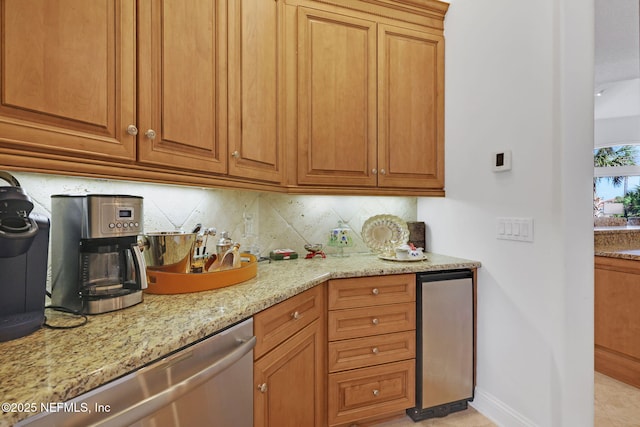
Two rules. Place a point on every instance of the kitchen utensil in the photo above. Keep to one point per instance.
(168, 251)
(224, 244)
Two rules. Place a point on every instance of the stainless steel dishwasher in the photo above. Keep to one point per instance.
(445, 342)
(209, 383)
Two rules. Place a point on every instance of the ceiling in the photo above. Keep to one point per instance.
(617, 40)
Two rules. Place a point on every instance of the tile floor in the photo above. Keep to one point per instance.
(616, 405)
(467, 418)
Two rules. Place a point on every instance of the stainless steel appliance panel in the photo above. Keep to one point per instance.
(447, 341)
(207, 384)
(445, 356)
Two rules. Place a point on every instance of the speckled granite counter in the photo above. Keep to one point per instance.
(57, 365)
(617, 242)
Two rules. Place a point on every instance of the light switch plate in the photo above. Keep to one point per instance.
(520, 229)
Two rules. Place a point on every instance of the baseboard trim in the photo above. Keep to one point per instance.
(498, 411)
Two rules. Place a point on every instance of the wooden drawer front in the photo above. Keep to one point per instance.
(275, 324)
(367, 321)
(374, 290)
(362, 352)
(368, 392)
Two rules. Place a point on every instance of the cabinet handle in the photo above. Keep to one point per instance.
(132, 130)
(383, 172)
(295, 315)
(375, 291)
(375, 321)
(375, 350)
(374, 171)
(376, 392)
(262, 388)
(150, 133)
(235, 154)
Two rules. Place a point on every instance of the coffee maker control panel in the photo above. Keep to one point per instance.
(115, 216)
(125, 218)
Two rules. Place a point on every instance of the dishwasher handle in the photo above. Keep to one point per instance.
(153, 403)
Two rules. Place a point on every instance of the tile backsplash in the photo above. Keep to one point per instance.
(255, 219)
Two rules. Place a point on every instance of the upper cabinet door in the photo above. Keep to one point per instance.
(410, 108)
(68, 76)
(182, 84)
(336, 99)
(255, 89)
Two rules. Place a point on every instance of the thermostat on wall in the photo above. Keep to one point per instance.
(502, 161)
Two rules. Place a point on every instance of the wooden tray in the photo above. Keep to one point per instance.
(162, 282)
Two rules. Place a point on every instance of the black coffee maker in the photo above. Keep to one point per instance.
(24, 244)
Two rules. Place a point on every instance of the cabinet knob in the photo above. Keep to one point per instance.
(375, 350)
(150, 133)
(235, 154)
(132, 130)
(383, 172)
(375, 291)
(295, 315)
(262, 388)
(374, 171)
(376, 392)
(375, 321)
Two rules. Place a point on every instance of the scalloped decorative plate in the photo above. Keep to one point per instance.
(384, 233)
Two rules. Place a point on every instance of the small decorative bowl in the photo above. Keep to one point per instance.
(313, 247)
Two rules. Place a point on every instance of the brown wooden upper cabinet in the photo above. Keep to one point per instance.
(209, 86)
(182, 84)
(68, 77)
(189, 87)
(256, 89)
(303, 96)
(369, 96)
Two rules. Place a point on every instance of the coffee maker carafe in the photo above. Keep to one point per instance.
(97, 265)
(24, 245)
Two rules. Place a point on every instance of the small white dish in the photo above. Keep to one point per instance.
(412, 259)
(402, 253)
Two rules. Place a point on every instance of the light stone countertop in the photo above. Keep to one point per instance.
(617, 242)
(52, 366)
(632, 254)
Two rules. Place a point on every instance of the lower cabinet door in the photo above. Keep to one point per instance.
(290, 382)
(365, 393)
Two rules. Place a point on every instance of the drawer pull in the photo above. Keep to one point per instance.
(295, 315)
(262, 388)
(376, 392)
(375, 291)
(375, 350)
(375, 321)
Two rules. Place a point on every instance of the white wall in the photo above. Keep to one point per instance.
(519, 76)
(617, 113)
